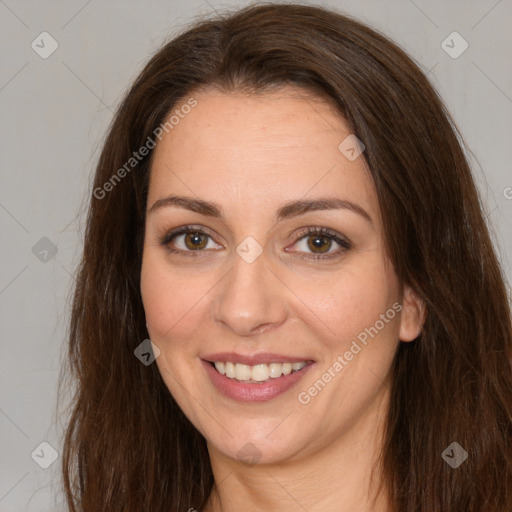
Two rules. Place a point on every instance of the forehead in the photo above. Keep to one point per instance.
(286, 118)
(258, 150)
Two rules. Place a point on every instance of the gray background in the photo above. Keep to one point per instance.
(55, 112)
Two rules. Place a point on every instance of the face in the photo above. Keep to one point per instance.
(285, 264)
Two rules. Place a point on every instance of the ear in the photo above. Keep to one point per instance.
(413, 315)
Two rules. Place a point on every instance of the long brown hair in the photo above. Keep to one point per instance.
(128, 446)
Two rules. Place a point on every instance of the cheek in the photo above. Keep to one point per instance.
(173, 300)
(171, 304)
(350, 301)
(154, 287)
(360, 306)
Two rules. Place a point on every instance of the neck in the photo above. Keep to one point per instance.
(342, 476)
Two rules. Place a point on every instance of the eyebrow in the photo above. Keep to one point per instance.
(286, 211)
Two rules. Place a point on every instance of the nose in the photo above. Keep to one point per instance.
(251, 298)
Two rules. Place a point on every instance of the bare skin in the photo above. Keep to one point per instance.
(250, 155)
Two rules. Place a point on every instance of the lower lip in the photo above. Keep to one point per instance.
(250, 391)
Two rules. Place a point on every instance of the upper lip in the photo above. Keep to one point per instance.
(253, 359)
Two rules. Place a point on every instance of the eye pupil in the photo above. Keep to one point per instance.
(322, 245)
(195, 238)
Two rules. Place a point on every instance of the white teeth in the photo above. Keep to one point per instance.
(275, 369)
(230, 370)
(259, 372)
(287, 368)
(242, 372)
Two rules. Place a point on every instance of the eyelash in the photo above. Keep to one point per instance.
(345, 244)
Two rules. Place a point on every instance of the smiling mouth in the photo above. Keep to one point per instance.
(259, 373)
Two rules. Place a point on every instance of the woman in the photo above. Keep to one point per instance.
(282, 206)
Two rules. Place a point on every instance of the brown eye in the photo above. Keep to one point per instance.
(193, 240)
(316, 243)
(187, 240)
(320, 242)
